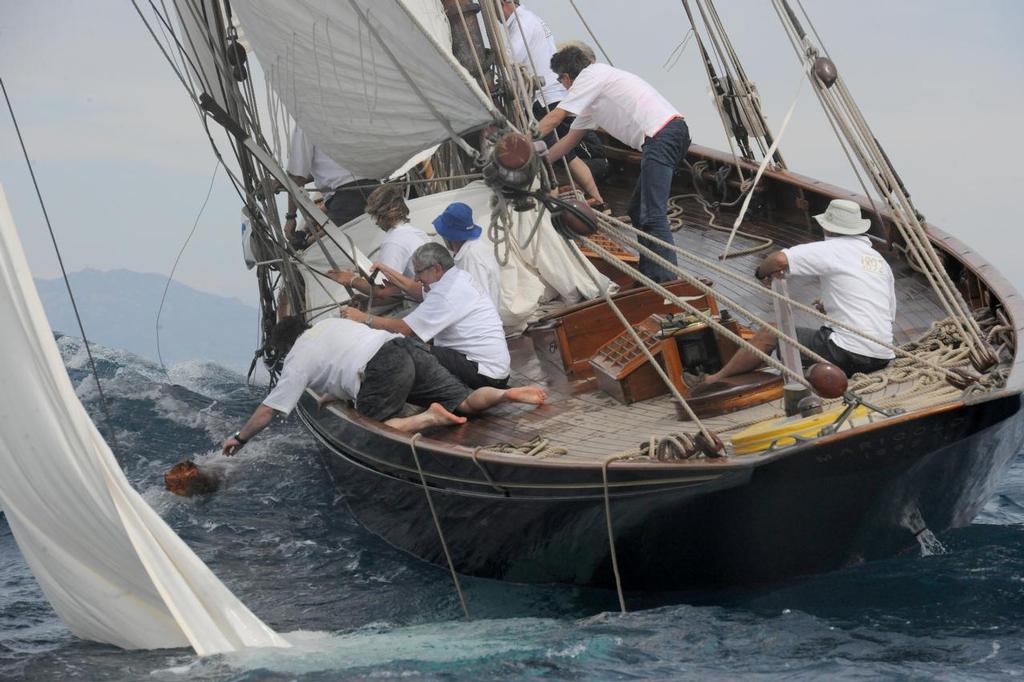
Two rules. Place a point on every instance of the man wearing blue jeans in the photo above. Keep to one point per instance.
(631, 110)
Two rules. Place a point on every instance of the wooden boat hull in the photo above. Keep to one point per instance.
(812, 508)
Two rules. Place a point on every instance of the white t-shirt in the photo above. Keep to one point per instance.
(857, 288)
(306, 160)
(531, 43)
(456, 314)
(477, 258)
(625, 105)
(397, 246)
(329, 358)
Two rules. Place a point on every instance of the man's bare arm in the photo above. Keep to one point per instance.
(551, 120)
(565, 145)
(259, 420)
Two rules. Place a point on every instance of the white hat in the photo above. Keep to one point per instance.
(843, 217)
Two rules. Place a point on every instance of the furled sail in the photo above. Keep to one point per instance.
(109, 565)
(371, 82)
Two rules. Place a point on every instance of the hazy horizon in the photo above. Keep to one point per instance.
(125, 166)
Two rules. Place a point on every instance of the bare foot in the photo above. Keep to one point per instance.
(532, 395)
(442, 417)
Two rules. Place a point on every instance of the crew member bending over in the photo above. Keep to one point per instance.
(456, 315)
(531, 44)
(631, 110)
(857, 289)
(379, 370)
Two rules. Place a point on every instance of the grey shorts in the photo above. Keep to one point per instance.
(404, 371)
(818, 340)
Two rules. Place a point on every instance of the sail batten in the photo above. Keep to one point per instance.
(371, 83)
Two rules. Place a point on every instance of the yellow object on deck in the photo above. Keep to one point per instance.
(785, 430)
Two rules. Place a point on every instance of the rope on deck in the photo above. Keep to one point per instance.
(538, 447)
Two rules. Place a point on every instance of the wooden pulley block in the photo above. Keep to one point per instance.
(960, 378)
(513, 151)
(711, 448)
(827, 380)
(825, 69)
(572, 222)
(982, 359)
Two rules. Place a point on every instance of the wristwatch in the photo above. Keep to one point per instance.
(238, 436)
(290, 216)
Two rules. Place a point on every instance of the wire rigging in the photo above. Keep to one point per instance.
(170, 276)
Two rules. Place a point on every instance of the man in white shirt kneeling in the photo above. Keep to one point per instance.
(378, 370)
(456, 315)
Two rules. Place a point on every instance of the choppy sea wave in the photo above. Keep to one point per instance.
(354, 607)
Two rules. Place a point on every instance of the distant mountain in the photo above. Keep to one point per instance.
(119, 307)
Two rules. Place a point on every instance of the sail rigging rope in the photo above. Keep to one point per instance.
(615, 228)
(845, 116)
(63, 271)
(437, 525)
(761, 168)
(177, 259)
(591, 33)
(611, 530)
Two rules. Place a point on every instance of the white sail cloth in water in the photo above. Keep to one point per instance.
(370, 82)
(109, 565)
(536, 269)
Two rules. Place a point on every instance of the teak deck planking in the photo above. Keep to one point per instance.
(592, 425)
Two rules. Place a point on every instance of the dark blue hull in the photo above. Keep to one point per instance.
(821, 506)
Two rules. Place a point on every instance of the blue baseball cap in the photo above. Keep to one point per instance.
(456, 223)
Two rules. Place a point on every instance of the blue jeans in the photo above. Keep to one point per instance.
(648, 208)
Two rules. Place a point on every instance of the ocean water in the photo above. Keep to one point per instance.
(356, 608)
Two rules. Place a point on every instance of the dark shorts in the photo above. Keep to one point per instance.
(818, 341)
(404, 371)
(464, 369)
(349, 200)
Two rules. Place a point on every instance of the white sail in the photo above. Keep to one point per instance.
(371, 82)
(112, 569)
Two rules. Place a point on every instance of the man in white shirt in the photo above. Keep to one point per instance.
(462, 237)
(378, 370)
(457, 316)
(531, 44)
(344, 193)
(857, 289)
(631, 110)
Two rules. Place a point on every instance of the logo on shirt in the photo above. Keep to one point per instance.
(873, 265)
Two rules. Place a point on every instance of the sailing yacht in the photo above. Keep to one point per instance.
(626, 478)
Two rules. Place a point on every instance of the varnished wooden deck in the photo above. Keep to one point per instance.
(591, 425)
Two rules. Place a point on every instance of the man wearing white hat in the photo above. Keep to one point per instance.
(857, 289)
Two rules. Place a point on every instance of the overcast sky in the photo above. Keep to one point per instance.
(124, 164)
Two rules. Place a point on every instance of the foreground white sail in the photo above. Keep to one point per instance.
(109, 565)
